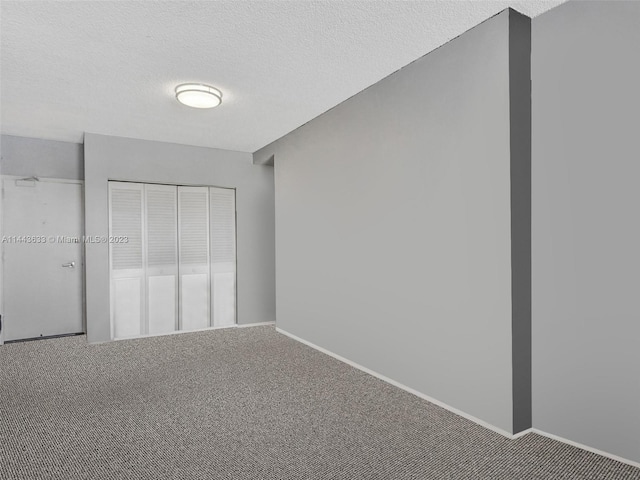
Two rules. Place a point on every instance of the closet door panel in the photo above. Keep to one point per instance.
(178, 269)
(224, 295)
(162, 257)
(223, 255)
(162, 303)
(193, 241)
(127, 311)
(195, 301)
(126, 259)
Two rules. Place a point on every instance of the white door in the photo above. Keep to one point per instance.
(42, 228)
(223, 256)
(193, 241)
(162, 257)
(177, 269)
(126, 258)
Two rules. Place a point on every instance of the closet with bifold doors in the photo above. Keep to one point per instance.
(172, 258)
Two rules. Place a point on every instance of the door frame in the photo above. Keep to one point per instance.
(4, 178)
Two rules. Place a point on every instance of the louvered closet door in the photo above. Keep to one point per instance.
(193, 245)
(161, 203)
(223, 255)
(127, 259)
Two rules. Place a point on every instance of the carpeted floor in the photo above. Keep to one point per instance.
(243, 404)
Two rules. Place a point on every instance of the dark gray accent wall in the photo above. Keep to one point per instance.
(114, 158)
(393, 225)
(586, 224)
(520, 143)
(41, 158)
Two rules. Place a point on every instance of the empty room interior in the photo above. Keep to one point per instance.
(320, 240)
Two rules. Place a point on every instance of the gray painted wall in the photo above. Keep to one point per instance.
(586, 225)
(114, 158)
(42, 158)
(393, 227)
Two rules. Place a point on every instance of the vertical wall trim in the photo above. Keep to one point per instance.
(520, 145)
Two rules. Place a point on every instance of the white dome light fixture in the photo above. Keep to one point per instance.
(197, 95)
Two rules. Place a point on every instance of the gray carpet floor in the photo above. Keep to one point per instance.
(242, 404)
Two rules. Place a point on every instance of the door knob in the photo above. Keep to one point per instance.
(69, 265)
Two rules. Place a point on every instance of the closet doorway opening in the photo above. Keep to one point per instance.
(172, 258)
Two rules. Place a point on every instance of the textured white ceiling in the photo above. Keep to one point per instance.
(110, 66)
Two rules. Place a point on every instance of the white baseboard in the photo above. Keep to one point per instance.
(521, 434)
(180, 332)
(258, 324)
(404, 387)
(455, 410)
(586, 447)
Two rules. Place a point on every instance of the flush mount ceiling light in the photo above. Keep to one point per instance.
(197, 95)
